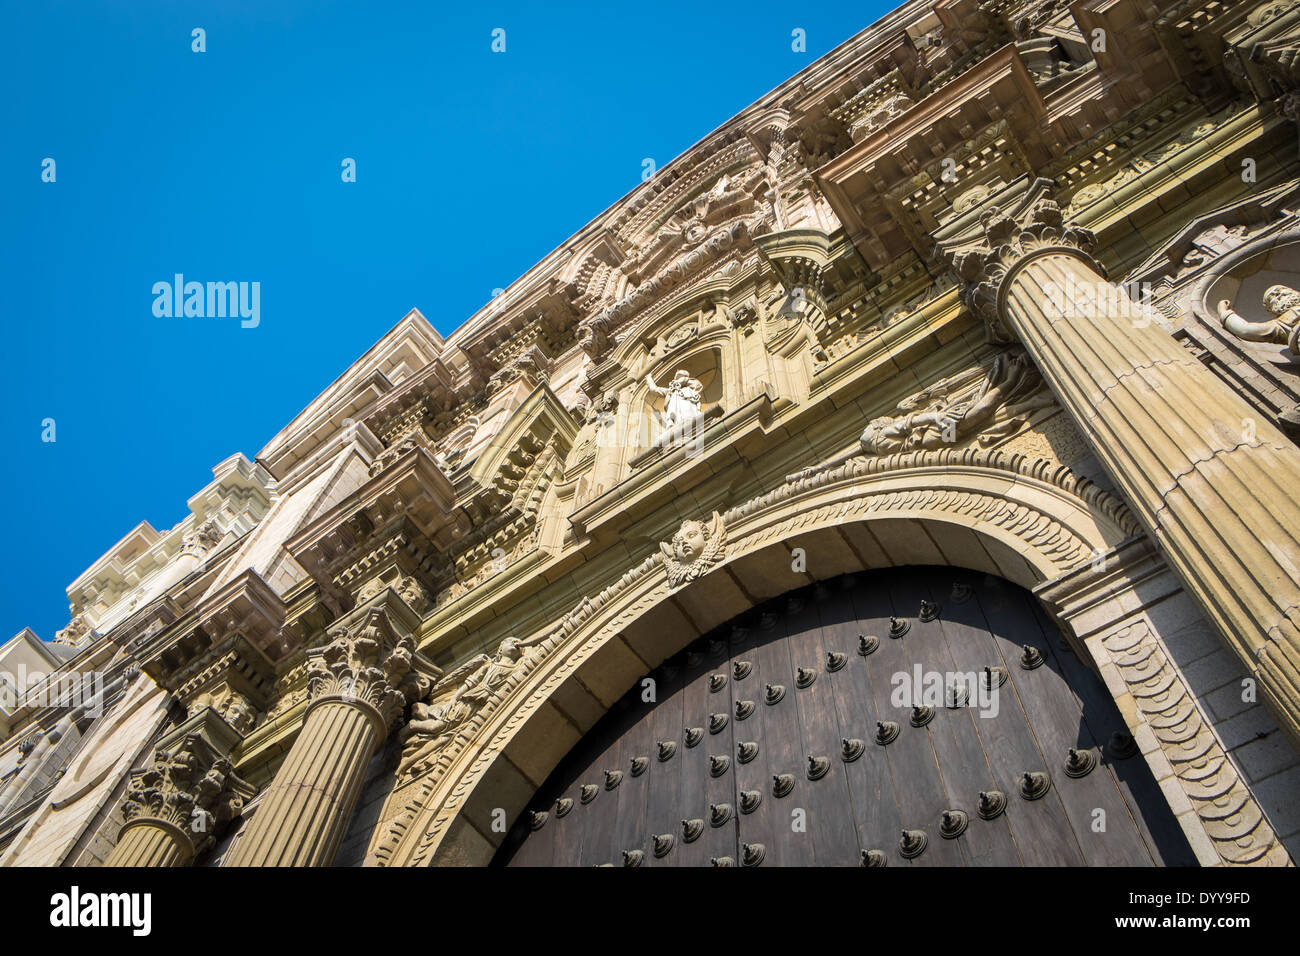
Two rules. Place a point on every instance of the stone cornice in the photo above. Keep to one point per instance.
(412, 488)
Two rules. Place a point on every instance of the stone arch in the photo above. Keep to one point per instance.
(1026, 520)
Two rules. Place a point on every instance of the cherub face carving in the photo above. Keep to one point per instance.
(689, 541)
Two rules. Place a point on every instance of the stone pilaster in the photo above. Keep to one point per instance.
(1210, 479)
(175, 808)
(359, 684)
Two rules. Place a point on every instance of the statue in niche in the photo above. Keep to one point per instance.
(942, 415)
(682, 397)
(1283, 303)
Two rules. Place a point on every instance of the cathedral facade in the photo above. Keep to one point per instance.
(906, 474)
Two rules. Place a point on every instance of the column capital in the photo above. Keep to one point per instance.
(370, 663)
(1010, 238)
(190, 790)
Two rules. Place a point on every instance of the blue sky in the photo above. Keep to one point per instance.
(225, 166)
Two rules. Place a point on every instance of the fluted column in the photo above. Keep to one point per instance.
(1215, 484)
(174, 807)
(359, 685)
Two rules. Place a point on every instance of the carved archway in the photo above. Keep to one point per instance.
(1025, 520)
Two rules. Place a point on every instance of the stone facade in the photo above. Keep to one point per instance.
(1004, 286)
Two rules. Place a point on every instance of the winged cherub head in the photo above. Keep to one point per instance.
(696, 547)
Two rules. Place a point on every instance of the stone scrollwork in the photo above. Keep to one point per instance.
(1231, 817)
(694, 550)
(367, 663)
(987, 404)
(190, 788)
(1280, 301)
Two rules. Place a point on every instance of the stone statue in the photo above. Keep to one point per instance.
(695, 548)
(1283, 303)
(682, 397)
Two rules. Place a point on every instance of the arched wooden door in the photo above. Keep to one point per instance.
(792, 737)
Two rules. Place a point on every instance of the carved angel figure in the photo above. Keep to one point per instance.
(682, 397)
(694, 549)
(1280, 301)
(1009, 392)
(456, 698)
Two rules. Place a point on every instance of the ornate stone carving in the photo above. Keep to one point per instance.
(530, 367)
(202, 539)
(367, 662)
(597, 332)
(696, 547)
(235, 709)
(1231, 817)
(75, 633)
(190, 787)
(407, 586)
(415, 438)
(1280, 301)
(988, 405)
(455, 698)
(682, 397)
(1009, 241)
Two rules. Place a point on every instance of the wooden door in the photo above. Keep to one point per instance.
(904, 717)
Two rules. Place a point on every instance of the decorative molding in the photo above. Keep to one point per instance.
(1220, 798)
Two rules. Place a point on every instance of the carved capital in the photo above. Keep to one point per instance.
(190, 790)
(367, 662)
(1008, 241)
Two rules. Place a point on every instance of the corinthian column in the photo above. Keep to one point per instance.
(173, 808)
(358, 684)
(1216, 485)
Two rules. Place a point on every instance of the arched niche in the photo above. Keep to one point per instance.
(649, 421)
